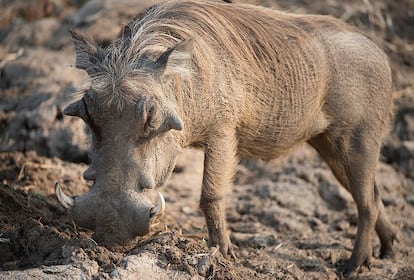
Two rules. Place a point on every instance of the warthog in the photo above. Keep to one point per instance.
(239, 81)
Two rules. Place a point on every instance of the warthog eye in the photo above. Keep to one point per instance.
(152, 122)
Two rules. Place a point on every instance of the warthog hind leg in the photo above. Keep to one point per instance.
(386, 232)
(352, 155)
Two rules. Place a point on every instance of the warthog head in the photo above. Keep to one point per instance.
(136, 131)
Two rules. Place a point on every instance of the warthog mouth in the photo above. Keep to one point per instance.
(115, 217)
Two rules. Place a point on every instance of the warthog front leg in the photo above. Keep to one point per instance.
(219, 166)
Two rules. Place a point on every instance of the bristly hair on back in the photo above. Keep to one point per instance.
(225, 34)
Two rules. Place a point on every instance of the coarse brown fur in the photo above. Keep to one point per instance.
(240, 81)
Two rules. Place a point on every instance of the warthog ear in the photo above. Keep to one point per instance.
(152, 118)
(176, 60)
(76, 109)
(88, 54)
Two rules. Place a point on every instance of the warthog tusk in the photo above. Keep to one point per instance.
(159, 207)
(65, 200)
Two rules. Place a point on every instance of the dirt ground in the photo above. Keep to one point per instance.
(288, 218)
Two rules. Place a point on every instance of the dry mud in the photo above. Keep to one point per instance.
(288, 219)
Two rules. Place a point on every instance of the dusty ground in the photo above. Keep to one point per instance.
(288, 219)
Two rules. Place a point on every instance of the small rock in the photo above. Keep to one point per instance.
(67, 251)
(263, 241)
(331, 275)
(389, 202)
(315, 222)
(410, 199)
(188, 211)
(342, 225)
(244, 253)
(409, 145)
(252, 240)
(336, 256)
(203, 265)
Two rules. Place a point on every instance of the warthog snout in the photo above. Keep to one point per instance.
(116, 217)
